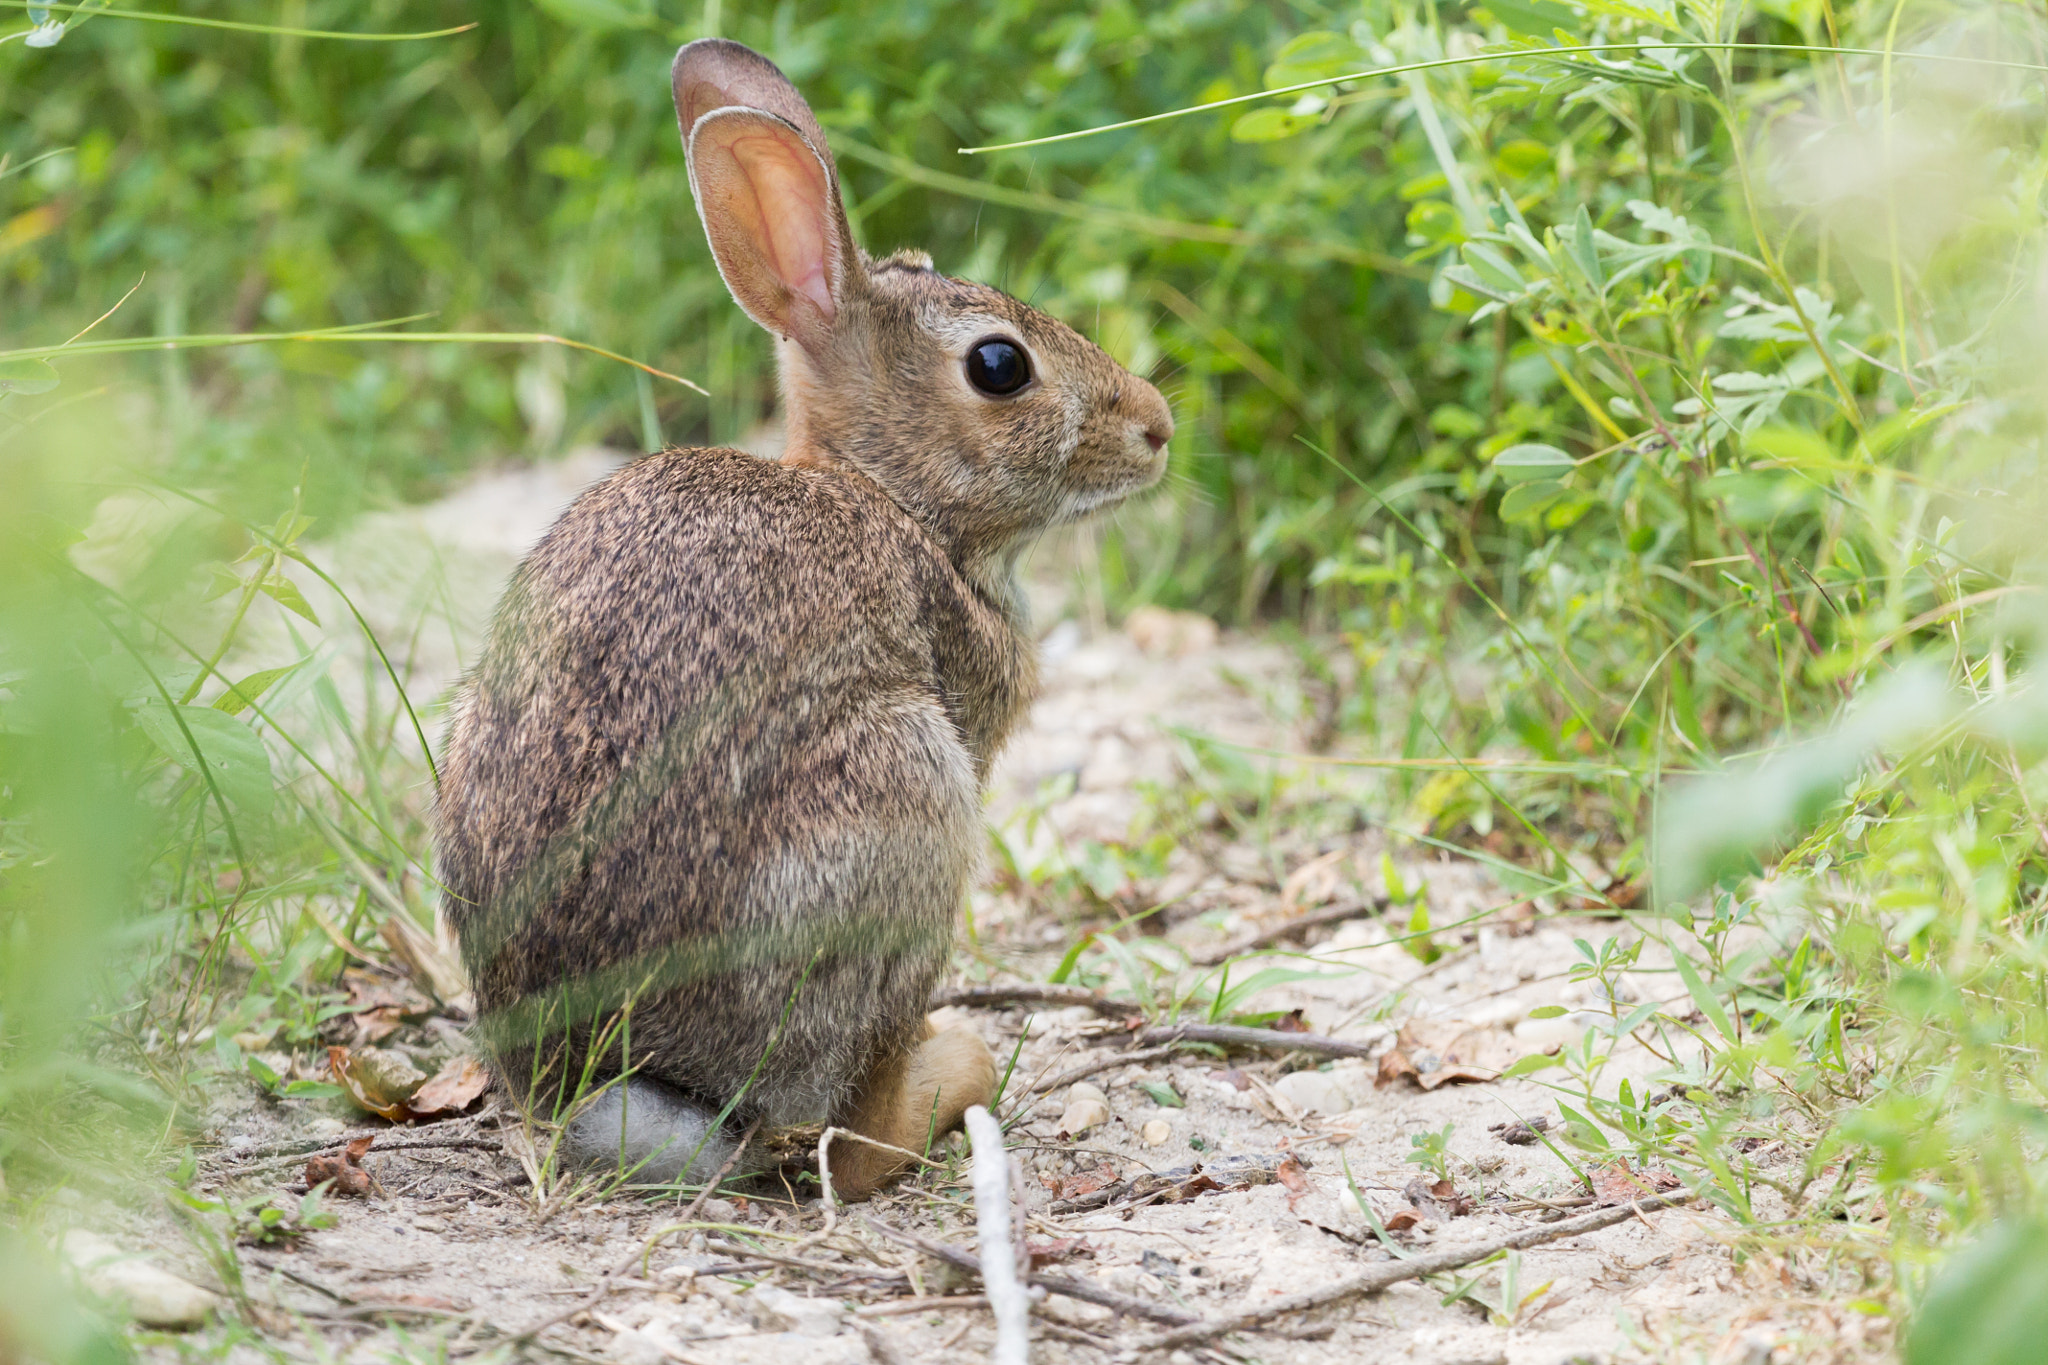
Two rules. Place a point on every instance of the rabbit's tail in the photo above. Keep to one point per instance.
(652, 1133)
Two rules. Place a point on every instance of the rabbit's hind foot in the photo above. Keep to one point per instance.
(648, 1131)
(907, 1102)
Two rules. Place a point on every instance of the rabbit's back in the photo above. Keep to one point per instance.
(722, 757)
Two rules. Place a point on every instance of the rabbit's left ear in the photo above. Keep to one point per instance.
(767, 190)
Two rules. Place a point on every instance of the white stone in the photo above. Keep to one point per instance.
(153, 1296)
(1156, 1132)
(1312, 1092)
(773, 1307)
(1083, 1090)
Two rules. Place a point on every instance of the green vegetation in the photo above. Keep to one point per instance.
(1658, 428)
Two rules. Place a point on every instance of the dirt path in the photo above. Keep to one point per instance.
(1141, 781)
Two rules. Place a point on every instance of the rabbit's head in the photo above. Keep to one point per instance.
(985, 419)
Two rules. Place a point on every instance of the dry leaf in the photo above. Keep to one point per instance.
(1615, 1183)
(453, 1089)
(1086, 1182)
(1291, 1022)
(1290, 1174)
(1064, 1248)
(1232, 1077)
(1402, 1221)
(378, 1081)
(345, 1170)
(1394, 1066)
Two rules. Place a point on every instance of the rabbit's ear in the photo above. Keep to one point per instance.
(766, 188)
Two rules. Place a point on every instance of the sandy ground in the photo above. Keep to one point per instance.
(456, 1252)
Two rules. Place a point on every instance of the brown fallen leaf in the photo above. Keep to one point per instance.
(1395, 1066)
(452, 1089)
(1290, 1173)
(345, 1170)
(1294, 1021)
(1456, 1075)
(1402, 1220)
(1615, 1183)
(1060, 1249)
(378, 1081)
(1085, 1182)
(1233, 1078)
(1448, 1196)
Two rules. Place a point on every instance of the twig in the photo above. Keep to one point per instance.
(999, 997)
(1389, 1273)
(1264, 938)
(1083, 1290)
(992, 1231)
(1101, 1064)
(854, 1272)
(1236, 1035)
(330, 1149)
(927, 1303)
(725, 1168)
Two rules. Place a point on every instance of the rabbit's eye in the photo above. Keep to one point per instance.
(997, 367)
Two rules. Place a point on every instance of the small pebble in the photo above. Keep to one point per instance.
(1081, 1115)
(1082, 1090)
(1156, 1132)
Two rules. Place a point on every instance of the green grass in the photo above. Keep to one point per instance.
(1656, 430)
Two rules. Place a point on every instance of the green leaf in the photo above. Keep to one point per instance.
(1521, 156)
(1988, 1305)
(1710, 1005)
(1163, 1095)
(1493, 268)
(1534, 17)
(1530, 1065)
(1528, 500)
(1521, 463)
(249, 690)
(288, 596)
(1072, 959)
(1586, 251)
(1315, 56)
(25, 374)
(1547, 1012)
(233, 756)
(1269, 125)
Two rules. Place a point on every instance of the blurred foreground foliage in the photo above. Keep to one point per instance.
(1662, 427)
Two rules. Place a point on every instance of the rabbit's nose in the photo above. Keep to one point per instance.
(1150, 409)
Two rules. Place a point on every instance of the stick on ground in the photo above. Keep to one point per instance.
(992, 1223)
(1394, 1272)
(1235, 1035)
(1034, 993)
(1272, 934)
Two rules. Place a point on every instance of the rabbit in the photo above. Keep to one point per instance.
(711, 797)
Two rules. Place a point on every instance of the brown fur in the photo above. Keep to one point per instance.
(723, 754)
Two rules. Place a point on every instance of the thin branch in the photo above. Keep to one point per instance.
(1101, 1064)
(1300, 924)
(1273, 1040)
(1033, 993)
(1382, 1276)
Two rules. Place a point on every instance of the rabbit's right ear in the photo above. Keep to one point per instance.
(766, 189)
